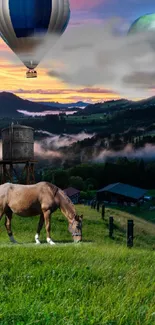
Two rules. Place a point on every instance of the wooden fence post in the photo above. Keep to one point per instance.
(103, 211)
(130, 233)
(98, 206)
(111, 226)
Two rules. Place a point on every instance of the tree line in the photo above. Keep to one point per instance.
(91, 177)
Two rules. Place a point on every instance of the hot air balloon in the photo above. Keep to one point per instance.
(22, 20)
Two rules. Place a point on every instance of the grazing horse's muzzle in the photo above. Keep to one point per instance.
(77, 237)
(76, 229)
(77, 241)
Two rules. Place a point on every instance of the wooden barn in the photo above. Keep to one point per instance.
(73, 194)
(121, 193)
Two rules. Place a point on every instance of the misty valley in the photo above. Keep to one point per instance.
(118, 135)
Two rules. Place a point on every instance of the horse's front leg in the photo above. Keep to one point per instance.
(8, 226)
(47, 218)
(40, 225)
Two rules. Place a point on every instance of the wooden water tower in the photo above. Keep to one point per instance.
(17, 149)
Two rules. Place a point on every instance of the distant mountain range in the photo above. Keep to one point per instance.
(79, 104)
(10, 104)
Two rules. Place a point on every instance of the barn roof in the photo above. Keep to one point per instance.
(70, 191)
(125, 190)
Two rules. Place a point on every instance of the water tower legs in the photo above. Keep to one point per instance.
(8, 172)
(29, 171)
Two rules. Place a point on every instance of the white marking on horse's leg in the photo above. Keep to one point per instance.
(50, 241)
(37, 239)
(12, 239)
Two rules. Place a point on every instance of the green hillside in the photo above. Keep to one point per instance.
(99, 281)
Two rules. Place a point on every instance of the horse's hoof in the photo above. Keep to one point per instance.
(38, 242)
(51, 242)
(13, 241)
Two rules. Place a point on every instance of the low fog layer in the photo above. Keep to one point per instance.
(101, 155)
(146, 153)
(64, 140)
(51, 148)
(45, 113)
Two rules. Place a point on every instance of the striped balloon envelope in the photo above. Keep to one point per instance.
(25, 23)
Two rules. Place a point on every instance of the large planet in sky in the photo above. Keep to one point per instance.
(143, 24)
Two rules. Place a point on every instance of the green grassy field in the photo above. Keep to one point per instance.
(86, 118)
(98, 282)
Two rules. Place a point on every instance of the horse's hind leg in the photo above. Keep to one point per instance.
(1, 214)
(47, 218)
(40, 225)
(8, 225)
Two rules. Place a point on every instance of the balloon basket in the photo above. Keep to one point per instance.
(31, 74)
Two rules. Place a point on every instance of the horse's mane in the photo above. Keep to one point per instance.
(66, 198)
(64, 195)
(52, 186)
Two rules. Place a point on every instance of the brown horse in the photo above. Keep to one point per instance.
(39, 199)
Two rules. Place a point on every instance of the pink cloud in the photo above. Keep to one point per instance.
(62, 91)
(84, 4)
(95, 91)
(41, 91)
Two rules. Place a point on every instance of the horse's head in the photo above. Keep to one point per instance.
(75, 228)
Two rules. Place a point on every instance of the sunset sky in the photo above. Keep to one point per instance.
(45, 88)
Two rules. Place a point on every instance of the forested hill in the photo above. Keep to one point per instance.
(117, 105)
(10, 104)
